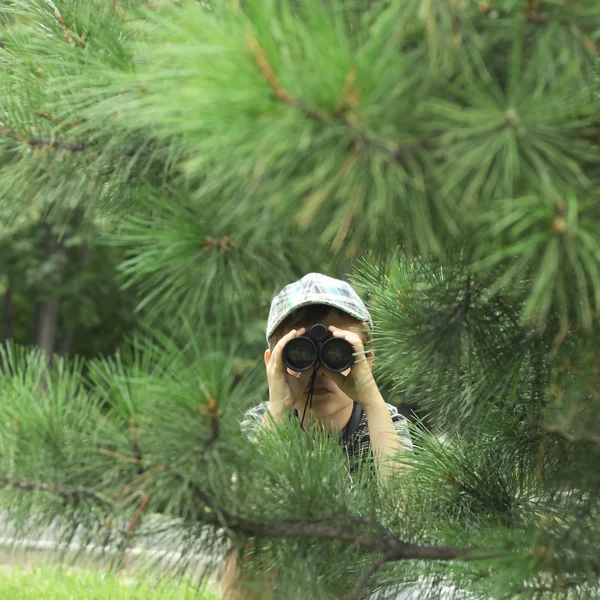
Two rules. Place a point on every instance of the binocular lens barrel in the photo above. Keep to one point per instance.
(318, 344)
(337, 355)
(300, 354)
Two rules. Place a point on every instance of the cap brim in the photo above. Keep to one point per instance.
(314, 302)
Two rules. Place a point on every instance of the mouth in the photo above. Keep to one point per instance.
(320, 392)
(320, 389)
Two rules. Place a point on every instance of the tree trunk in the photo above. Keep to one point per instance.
(48, 319)
(49, 310)
(67, 340)
(8, 321)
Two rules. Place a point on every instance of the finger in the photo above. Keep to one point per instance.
(349, 336)
(360, 354)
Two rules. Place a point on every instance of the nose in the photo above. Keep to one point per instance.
(321, 370)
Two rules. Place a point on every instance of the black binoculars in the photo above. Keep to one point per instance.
(318, 345)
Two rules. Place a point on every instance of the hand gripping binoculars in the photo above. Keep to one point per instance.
(318, 345)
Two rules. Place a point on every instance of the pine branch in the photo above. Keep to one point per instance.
(65, 492)
(362, 580)
(67, 33)
(210, 409)
(384, 541)
(137, 451)
(134, 521)
(47, 117)
(392, 548)
(371, 535)
(119, 456)
(357, 519)
(586, 41)
(396, 152)
(532, 12)
(271, 78)
(121, 494)
(138, 513)
(36, 142)
(223, 243)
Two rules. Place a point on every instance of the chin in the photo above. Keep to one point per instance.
(322, 395)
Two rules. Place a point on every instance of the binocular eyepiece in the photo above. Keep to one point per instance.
(318, 345)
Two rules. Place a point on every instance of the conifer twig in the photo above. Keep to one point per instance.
(366, 575)
(384, 540)
(122, 493)
(137, 451)
(50, 143)
(47, 117)
(262, 62)
(75, 147)
(66, 32)
(380, 530)
(138, 513)
(119, 456)
(393, 548)
(223, 243)
(390, 547)
(397, 152)
(133, 523)
(63, 491)
(212, 412)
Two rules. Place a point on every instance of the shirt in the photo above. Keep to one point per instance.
(359, 445)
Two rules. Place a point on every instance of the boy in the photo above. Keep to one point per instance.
(347, 404)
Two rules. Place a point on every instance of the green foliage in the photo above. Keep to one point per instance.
(440, 145)
(182, 256)
(554, 251)
(225, 148)
(153, 423)
(44, 257)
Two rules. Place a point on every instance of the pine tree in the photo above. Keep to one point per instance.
(447, 152)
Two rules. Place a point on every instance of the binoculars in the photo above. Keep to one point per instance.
(318, 345)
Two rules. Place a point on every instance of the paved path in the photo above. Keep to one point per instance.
(164, 551)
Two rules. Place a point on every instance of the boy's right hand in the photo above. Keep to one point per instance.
(284, 389)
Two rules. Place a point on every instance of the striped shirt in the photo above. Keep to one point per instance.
(359, 444)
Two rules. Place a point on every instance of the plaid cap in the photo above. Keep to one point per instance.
(316, 288)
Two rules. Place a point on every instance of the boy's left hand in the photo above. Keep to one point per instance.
(365, 390)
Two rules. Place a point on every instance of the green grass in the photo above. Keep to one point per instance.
(54, 583)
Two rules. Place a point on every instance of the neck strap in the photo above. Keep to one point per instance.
(353, 422)
(352, 426)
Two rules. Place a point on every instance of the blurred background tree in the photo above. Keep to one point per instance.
(61, 290)
(165, 167)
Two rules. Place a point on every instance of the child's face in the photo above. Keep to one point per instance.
(329, 386)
